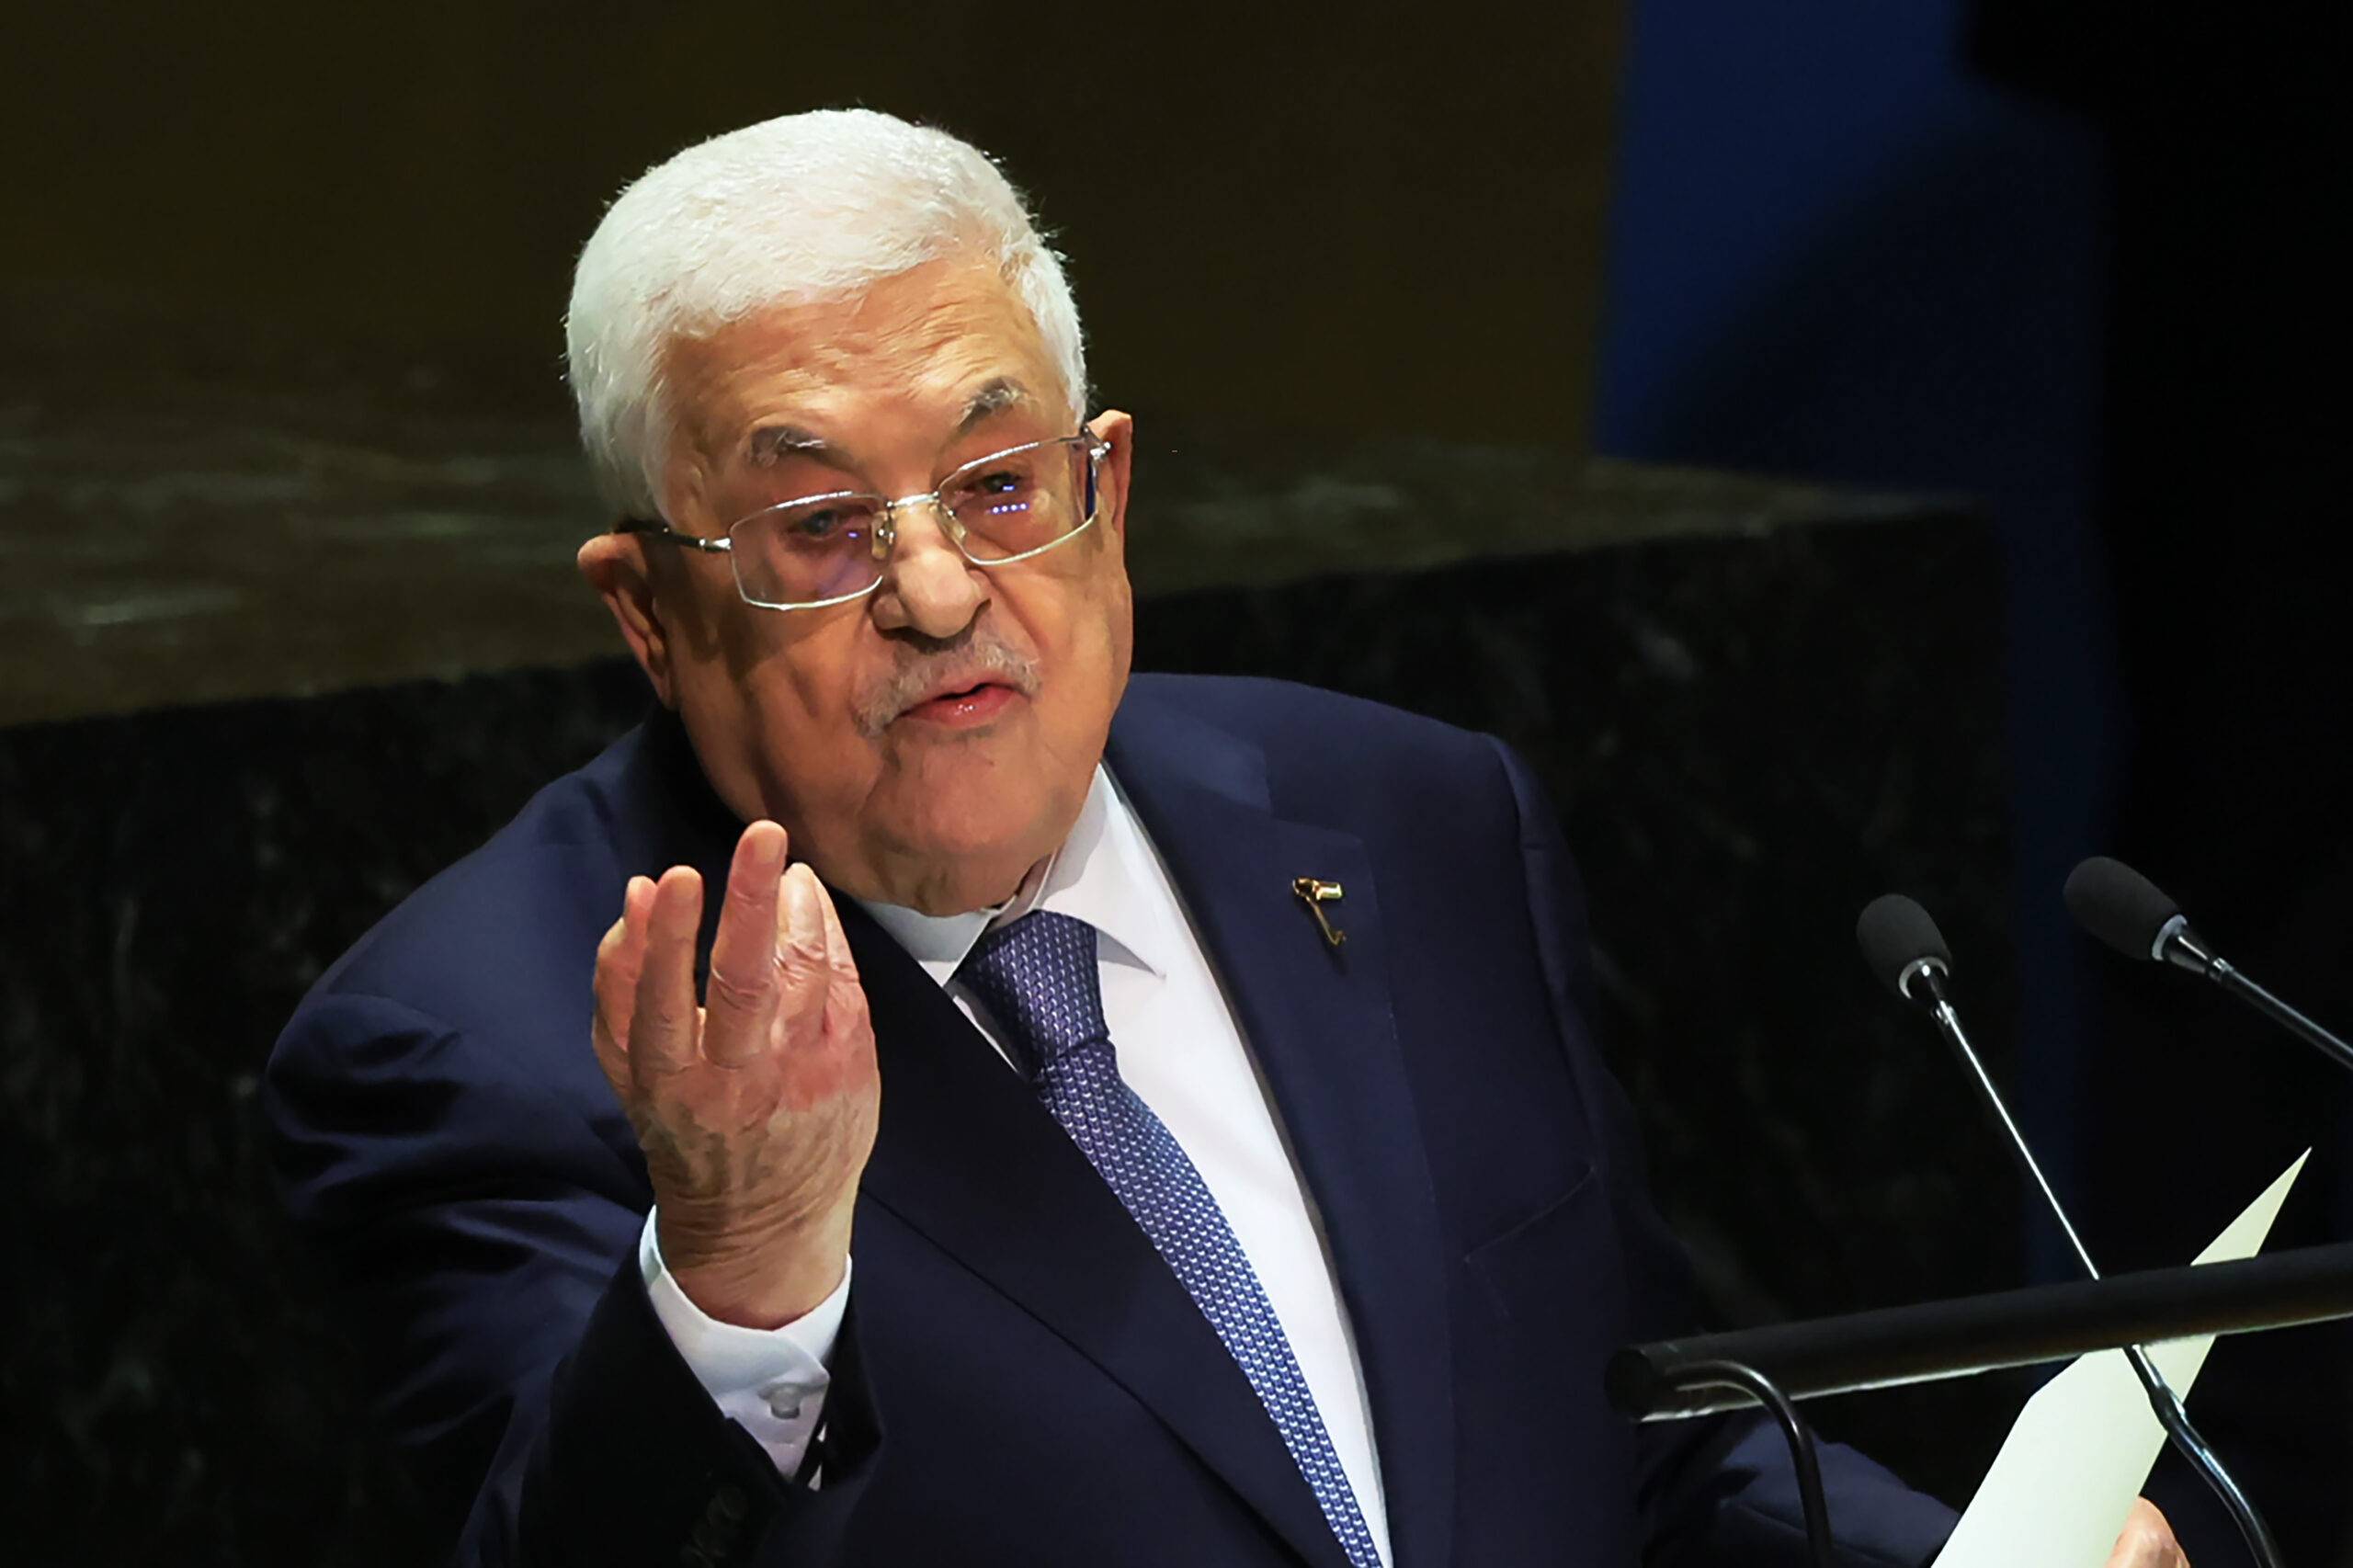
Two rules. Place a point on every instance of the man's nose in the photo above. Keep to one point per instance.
(927, 585)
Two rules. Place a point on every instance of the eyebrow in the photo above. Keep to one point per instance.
(770, 442)
(994, 396)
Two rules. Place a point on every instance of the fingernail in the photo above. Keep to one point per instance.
(768, 854)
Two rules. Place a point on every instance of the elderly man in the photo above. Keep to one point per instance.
(1020, 1115)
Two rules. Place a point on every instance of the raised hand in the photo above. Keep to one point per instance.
(756, 1110)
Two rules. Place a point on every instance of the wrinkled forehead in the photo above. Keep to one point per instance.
(943, 345)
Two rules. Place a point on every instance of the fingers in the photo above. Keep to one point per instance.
(662, 1025)
(2147, 1542)
(742, 993)
(780, 967)
(801, 967)
(619, 957)
(845, 994)
(611, 1054)
(837, 954)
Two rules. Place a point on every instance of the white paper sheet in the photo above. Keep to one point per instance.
(2062, 1486)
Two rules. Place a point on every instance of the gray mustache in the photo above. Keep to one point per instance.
(957, 666)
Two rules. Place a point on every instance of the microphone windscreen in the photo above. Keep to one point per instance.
(2118, 906)
(1895, 933)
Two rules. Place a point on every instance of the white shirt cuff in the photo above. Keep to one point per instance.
(771, 1381)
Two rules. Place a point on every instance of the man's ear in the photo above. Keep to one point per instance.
(614, 564)
(1117, 431)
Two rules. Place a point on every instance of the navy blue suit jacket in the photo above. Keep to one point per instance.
(1022, 1381)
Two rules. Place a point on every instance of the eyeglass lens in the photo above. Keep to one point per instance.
(824, 547)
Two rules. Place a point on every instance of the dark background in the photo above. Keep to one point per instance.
(2072, 264)
(1379, 225)
(2076, 260)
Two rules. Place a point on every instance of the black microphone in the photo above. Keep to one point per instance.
(2128, 912)
(1905, 950)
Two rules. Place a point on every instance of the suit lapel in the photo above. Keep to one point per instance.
(966, 1156)
(1317, 1020)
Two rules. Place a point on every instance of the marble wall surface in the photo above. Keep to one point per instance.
(170, 884)
(1750, 728)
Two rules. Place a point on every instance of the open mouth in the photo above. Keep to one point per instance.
(969, 704)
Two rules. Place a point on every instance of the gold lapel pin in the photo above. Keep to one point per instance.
(1316, 893)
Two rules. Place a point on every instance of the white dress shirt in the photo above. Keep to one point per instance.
(1181, 1050)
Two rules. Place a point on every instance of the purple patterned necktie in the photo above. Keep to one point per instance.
(1038, 979)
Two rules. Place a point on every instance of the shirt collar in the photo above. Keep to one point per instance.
(1103, 874)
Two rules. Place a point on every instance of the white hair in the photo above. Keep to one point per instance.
(805, 207)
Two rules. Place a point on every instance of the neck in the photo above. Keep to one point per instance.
(957, 888)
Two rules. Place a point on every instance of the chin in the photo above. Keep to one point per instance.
(986, 843)
(976, 819)
(978, 835)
